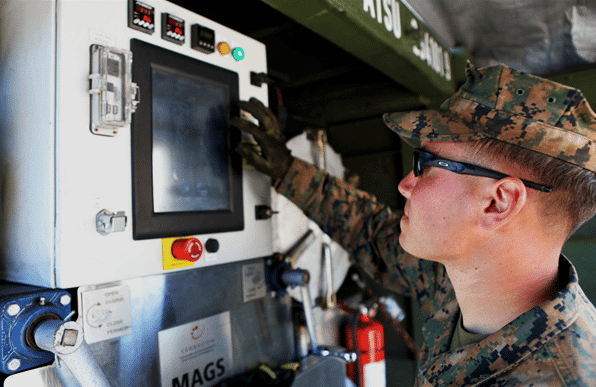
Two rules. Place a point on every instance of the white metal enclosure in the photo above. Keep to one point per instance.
(57, 175)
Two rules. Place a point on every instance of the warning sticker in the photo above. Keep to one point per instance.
(198, 353)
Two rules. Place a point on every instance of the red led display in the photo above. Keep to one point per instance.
(142, 9)
(175, 23)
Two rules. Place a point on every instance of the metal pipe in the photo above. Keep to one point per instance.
(330, 297)
(295, 277)
(320, 140)
(299, 247)
(66, 340)
(308, 315)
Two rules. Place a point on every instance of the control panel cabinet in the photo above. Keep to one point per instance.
(71, 103)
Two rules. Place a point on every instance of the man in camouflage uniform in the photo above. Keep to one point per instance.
(503, 173)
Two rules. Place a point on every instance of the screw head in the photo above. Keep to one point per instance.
(13, 309)
(14, 364)
(65, 300)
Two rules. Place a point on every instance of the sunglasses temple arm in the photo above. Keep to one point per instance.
(539, 187)
(470, 169)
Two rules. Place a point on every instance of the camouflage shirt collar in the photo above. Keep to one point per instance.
(506, 348)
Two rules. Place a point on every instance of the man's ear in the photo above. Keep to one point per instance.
(505, 199)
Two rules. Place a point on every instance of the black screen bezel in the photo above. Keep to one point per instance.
(147, 223)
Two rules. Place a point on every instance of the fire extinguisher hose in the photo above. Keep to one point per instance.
(400, 330)
(410, 343)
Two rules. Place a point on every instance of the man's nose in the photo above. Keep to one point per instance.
(407, 184)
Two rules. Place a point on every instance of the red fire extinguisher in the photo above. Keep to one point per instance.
(369, 369)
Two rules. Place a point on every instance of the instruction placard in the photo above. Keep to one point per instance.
(198, 353)
(253, 281)
(106, 313)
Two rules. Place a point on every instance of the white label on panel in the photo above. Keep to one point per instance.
(253, 281)
(101, 38)
(106, 313)
(211, 257)
(198, 353)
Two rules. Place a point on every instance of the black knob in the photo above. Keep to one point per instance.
(212, 245)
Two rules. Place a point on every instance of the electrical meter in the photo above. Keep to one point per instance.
(113, 94)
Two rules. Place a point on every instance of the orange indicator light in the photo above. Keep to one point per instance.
(223, 48)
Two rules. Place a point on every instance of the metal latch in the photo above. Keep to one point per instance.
(107, 222)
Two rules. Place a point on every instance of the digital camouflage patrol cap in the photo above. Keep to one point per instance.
(511, 106)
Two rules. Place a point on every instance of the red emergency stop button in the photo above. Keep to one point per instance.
(188, 249)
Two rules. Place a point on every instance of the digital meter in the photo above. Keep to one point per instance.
(141, 16)
(113, 94)
(202, 39)
(172, 28)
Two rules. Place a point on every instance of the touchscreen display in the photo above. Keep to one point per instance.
(190, 171)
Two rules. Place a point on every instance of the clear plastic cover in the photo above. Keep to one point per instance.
(113, 94)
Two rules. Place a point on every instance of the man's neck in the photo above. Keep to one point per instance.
(494, 290)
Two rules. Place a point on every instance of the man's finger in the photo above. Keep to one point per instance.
(254, 107)
(263, 111)
(257, 109)
(247, 126)
(267, 119)
(252, 156)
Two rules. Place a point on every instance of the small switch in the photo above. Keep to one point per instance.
(264, 212)
(257, 79)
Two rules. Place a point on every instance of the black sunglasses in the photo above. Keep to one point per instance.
(424, 159)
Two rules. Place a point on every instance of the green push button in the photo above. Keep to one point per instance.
(238, 53)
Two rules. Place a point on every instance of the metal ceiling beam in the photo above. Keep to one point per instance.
(385, 34)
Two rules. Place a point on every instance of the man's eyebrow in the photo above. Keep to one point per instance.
(425, 149)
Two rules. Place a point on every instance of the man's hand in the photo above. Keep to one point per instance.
(275, 157)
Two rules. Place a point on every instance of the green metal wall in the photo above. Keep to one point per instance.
(581, 247)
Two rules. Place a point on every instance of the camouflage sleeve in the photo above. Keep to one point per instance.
(365, 228)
